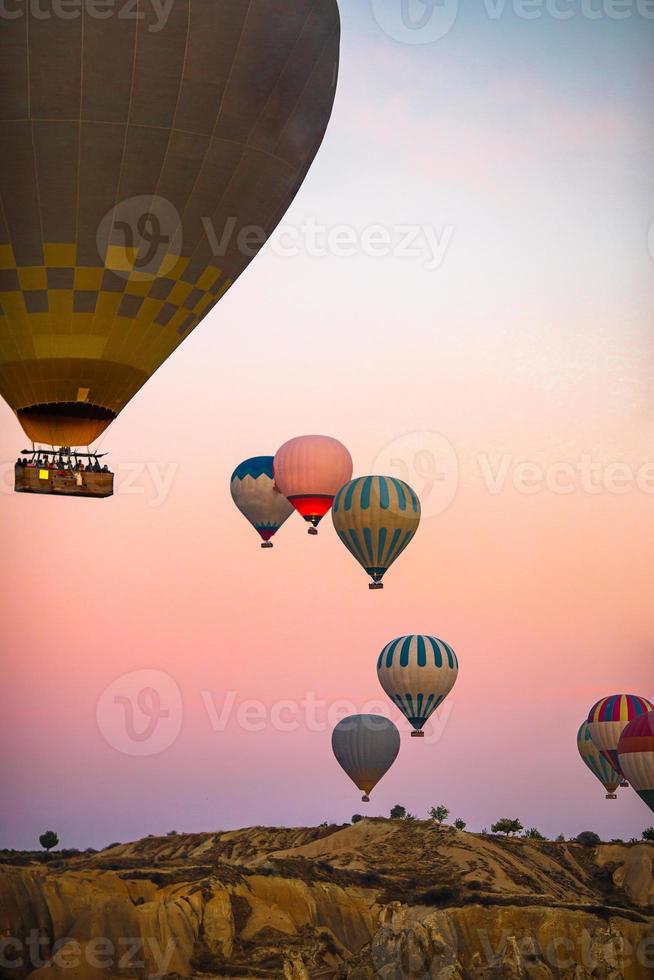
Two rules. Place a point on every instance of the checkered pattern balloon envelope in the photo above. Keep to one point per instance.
(143, 164)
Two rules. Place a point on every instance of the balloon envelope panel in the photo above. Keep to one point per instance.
(608, 719)
(598, 765)
(253, 491)
(309, 470)
(417, 672)
(129, 168)
(366, 746)
(376, 517)
(636, 753)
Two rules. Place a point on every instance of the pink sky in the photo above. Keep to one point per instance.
(530, 343)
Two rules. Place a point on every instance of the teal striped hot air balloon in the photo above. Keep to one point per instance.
(376, 518)
(417, 672)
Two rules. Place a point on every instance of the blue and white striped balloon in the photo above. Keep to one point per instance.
(417, 672)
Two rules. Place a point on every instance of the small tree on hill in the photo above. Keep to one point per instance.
(356, 817)
(648, 834)
(533, 833)
(460, 824)
(48, 840)
(439, 815)
(588, 838)
(560, 839)
(398, 812)
(507, 826)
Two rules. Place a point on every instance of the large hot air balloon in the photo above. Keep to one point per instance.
(366, 746)
(608, 719)
(636, 754)
(417, 672)
(144, 160)
(254, 493)
(309, 470)
(376, 517)
(598, 765)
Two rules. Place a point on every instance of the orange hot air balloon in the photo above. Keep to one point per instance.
(309, 471)
(136, 154)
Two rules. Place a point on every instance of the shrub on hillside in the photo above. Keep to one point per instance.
(588, 838)
(507, 826)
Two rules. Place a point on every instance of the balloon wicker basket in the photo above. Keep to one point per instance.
(365, 799)
(624, 785)
(611, 796)
(312, 531)
(266, 544)
(61, 480)
(375, 586)
(417, 734)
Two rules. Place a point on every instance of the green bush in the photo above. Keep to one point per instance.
(588, 838)
(48, 840)
(507, 826)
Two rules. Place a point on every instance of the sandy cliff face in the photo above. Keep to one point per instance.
(387, 899)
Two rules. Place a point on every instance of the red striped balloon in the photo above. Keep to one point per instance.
(609, 718)
(636, 754)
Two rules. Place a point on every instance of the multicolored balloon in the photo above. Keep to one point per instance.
(417, 672)
(309, 470)
(366, 746)
(636, 754)
(598, 765)
(608, 719)
(254, 493)
(376, 517)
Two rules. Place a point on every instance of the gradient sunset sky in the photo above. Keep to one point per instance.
(525, 146)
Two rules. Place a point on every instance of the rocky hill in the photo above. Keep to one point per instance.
(399, 900)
